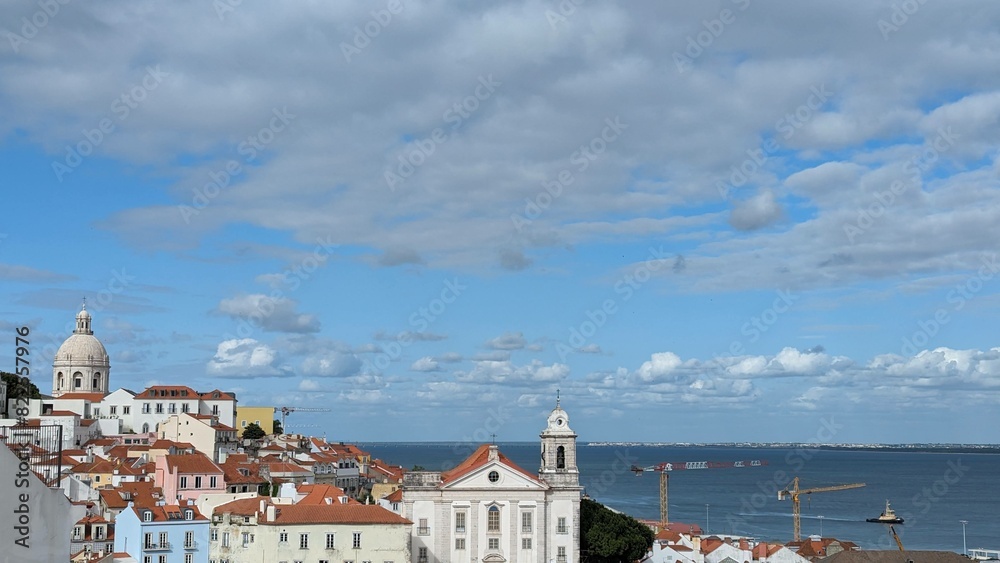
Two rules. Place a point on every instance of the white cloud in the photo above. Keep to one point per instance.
(426, 364)
(245, 358)
(508, 341)
(268, 313)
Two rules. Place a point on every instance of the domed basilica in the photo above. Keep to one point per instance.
(81, 364)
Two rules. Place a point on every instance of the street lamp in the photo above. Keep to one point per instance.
(965, 550)
(706, 519)
(820, 526)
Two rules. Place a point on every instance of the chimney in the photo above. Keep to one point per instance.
(270, 513)
(743, 544)
(494, 453)
(263, 506)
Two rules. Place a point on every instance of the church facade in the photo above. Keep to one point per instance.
(488, 509)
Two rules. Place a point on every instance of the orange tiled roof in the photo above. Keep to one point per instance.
(92, 397)
(317, 494)
(336, 514)
(395, 496)
(223, 396)
(60, 413)
(480, 458)
(164, 513)
(191, 463)
(142, 493)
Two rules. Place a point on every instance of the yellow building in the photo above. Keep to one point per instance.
(261, 416)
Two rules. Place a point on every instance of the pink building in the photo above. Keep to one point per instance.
(188, 476)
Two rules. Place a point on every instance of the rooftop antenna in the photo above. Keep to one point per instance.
(494, 436)
(557, 398)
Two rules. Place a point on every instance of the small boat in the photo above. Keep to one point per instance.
(887, 517)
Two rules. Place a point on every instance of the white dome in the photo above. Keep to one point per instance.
(82, 349)
(83, 314)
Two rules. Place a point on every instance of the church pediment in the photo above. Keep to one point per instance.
(494, 558)
(494, 475)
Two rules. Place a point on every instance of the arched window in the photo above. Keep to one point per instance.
(145, 427)
(493, 519)
(561, 457)
(62, 381)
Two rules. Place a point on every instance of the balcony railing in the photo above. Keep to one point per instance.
(191, 545)
(165, 546)
(423, 531)
(460, 529)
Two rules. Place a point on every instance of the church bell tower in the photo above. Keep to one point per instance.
(558, 467)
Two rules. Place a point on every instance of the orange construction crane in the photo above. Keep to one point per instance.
(666, 467)
(794, 493)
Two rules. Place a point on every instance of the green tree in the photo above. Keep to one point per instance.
(253, 431)
(19, 387)
(607, 536)
(278, 429)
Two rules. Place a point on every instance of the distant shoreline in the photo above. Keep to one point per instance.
(915, 448)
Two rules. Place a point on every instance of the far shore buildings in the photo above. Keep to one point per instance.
(491, 510)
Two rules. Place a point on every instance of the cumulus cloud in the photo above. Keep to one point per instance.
(494, 371)
(245, 358)
(426, 364)
(268, 313)
(330, 363)
(508, 341)
(756, 212)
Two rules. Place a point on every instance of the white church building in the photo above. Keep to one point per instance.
(488, 509)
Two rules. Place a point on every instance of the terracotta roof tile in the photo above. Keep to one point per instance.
(92, 397)
(478, 459)
(191, 463)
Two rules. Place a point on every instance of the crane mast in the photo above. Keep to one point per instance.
(794, 493)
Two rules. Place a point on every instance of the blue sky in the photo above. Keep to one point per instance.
(700, 221)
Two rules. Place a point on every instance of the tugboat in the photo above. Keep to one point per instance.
(887, 517)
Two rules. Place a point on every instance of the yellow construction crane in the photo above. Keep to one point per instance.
(667, 466)
(794, 493)
(895, 536)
